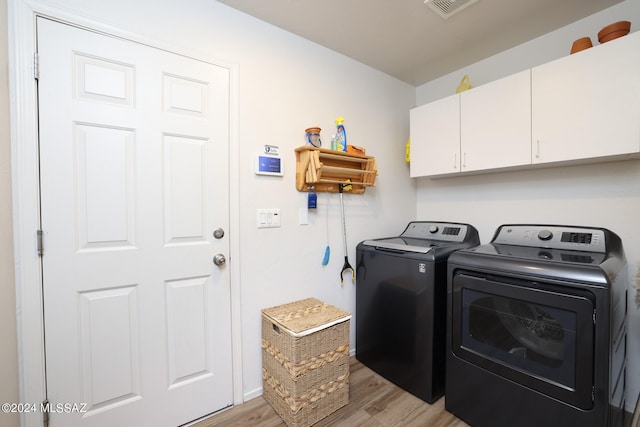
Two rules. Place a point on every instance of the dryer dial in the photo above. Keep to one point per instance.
(545, 235)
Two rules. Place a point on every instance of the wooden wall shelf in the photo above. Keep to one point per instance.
(325, 170)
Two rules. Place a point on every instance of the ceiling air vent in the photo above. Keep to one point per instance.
(447, 8)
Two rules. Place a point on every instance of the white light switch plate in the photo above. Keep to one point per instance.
(303, 216)
(268, 218)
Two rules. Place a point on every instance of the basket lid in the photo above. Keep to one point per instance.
(306, 316)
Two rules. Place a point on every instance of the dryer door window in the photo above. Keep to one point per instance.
(529, 334)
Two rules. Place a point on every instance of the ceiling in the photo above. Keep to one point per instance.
(410, 41)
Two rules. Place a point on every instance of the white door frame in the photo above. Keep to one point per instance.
(26, 192)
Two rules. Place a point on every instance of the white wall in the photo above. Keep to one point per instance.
(605, 195)
(535, 52)
(9, 347)
(287, 84)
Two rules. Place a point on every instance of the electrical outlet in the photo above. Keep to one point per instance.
(268, 218)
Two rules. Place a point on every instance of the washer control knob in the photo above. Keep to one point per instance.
(433, 229)
(545, 235)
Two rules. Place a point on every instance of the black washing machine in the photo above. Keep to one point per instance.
(537, 329)
(401, 295)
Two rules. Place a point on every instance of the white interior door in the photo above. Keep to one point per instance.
(134, 181)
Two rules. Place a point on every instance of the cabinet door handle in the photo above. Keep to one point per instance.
(537, 149)
(455, 160)
(464, 160)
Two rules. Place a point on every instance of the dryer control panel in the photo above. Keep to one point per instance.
(553, 237)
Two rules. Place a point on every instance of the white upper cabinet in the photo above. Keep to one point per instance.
(587, 105)
(435, 137)
(581, 108)
(495, 123)
(487, 127)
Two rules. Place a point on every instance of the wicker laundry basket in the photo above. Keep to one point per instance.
(305, 360)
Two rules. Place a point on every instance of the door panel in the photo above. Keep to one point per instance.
(495, 124)
(185, 189)
(104, 187)
(109, 345)
(134, 179)
(188, 331)
(435, 137)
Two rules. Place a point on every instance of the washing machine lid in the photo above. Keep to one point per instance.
(402, 244)
(423, 236)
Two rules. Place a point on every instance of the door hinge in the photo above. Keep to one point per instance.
(46, 409)
(594, 316)
(593, 393)
(40, 248)
(36, 66)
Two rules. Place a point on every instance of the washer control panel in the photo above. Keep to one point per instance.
(552, 236)
(436, 230)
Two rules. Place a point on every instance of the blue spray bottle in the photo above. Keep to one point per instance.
(341, 135)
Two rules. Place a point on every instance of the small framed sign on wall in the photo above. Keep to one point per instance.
(269, 162)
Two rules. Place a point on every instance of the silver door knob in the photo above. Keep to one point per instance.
(218, 233)
(219, 260)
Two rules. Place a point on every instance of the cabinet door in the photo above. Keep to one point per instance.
(495, 123)
(435, 137)
(587, 105)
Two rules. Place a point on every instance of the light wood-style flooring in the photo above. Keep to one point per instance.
(373, 402)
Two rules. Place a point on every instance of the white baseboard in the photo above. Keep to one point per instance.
(252, 394)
